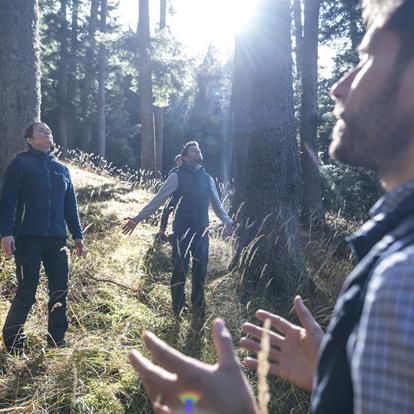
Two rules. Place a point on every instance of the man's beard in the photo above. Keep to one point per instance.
(374, 137)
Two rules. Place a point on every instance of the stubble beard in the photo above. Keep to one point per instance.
(375, 137)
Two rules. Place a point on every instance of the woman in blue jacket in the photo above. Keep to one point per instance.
(37, 202)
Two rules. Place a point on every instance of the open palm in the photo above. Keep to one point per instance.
(293, 349)
(178, 374)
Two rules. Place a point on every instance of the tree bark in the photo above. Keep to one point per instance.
(311, 194)
(73, 70)
(271, 252)
(240, 115)
(145, 91)
(19, 75)
(298, 32)
(88, 92)
(101, 148)
(63, 77)
(159, 112)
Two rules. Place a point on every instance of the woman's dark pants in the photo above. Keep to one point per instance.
(30, 253)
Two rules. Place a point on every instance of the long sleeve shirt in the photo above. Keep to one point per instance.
(166, 191)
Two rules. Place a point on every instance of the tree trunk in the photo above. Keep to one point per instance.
(271, 255)
(312, 193)
(159, 137)
(101, 85)
(159, 112)
(63, 77)
(297, 18)
(240, 114)
(145, 90)
(88, 92)
(19, 75)
(73, 70)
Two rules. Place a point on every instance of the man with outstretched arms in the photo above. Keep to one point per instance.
(192, 190)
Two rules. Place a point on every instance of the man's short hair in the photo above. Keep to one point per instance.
(380, 9)
(396, 16)
(186, 147)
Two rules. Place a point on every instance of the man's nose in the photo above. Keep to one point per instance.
(340, 89)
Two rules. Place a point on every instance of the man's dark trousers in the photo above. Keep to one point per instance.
(30, 253)
(197, 245)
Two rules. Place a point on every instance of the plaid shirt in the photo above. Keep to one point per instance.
(382, 365)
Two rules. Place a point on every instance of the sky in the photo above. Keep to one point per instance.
(197, 23)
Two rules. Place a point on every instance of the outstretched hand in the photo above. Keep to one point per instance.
(293, 349)
(222, 387)
(129, 226)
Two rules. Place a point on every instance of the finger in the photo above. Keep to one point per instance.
(279, 323)
(168, 357)
(254, 346)
(276, 340)
(304, 314)
(13, 246)
(253, 363)
(162, 409)
(223, 343)
(157, 381)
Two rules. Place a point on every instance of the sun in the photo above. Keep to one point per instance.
(197, 23)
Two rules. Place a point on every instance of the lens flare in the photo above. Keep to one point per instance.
(189, 399)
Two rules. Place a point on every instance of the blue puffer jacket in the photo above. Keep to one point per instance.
(38, 198)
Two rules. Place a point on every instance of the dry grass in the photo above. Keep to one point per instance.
(119, 290)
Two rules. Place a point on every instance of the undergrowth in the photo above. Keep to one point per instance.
(120, 289)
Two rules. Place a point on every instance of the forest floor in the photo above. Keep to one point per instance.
(120, 289)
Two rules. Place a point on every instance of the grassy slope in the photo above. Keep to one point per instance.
(119, 290)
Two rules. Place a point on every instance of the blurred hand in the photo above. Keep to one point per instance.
(223, 387)
(8, 245)
(293, 350)
(79, 247)
(129, 226)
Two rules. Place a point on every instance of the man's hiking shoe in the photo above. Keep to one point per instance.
(60, 344)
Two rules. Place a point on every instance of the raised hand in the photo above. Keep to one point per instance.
(293, 349)
(222, 387)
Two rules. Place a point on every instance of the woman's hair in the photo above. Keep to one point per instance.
(28, 133)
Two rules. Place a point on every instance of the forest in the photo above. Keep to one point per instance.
(121, 97)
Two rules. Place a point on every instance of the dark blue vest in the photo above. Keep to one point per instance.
(191, 200)
(377, 239)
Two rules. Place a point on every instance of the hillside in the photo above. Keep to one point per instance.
(120, 289)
